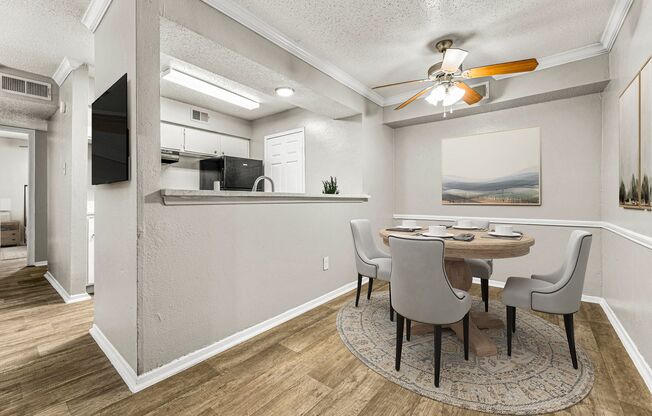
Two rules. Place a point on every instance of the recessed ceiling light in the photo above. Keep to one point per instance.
(284, 91)
(209, 89)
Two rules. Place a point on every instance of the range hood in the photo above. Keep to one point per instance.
(169, 156)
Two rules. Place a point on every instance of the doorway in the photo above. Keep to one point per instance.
(285, 161)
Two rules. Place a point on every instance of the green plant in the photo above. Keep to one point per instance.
(330, 186)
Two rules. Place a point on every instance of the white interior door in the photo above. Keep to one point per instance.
(285, 161)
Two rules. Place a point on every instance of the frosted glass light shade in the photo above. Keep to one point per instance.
(436, 95)
(454, 94)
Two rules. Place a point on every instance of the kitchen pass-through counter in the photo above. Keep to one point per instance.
(195, 197)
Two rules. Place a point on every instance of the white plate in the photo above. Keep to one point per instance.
(457, 227)
(405, 227)
(448, 235)
(513, 234)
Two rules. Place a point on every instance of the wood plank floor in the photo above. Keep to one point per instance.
(49, 365)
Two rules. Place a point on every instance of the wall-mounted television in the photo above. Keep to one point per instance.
(110, 140)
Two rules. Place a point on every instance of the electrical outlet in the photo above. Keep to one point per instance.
(326, 263)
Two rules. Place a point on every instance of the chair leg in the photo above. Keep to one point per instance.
(465, 325)
(370, 288)
(391, 308)
(484, 285)
(514, 321)
(408, 329)
(399, 340)
(570, 334)
(437, 353)
(357, 293)
(508, 327)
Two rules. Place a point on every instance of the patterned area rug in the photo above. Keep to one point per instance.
(538, 378)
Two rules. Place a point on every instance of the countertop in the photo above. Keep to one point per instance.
(194, 197)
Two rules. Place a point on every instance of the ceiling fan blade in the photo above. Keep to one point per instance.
(400, 83)
(470, 95)
(453, 58)
(501, 69)
(414, 97)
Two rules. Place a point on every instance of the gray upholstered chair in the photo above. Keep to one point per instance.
(421, 292)
(480, 268)
(370, 261)
(558, 293)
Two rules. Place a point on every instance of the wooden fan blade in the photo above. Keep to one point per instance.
(414, 97)
(400, 83)
(470, 95)
(501, 69)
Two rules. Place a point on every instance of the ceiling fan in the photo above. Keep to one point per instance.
(447, 77)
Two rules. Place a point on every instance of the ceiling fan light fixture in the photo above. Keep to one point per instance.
(438, 94)
(453, 95)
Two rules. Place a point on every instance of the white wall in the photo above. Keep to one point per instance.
(332, 147)
(67, 147)
(570, 169)
(626, 265)
(14, 171)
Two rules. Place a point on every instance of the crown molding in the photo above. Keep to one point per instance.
(249, 20)
(66, 66)
(615, 22)
(94, 13)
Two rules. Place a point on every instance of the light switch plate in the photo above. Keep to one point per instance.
(326, 263)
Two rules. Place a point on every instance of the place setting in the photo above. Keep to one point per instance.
(504, 231)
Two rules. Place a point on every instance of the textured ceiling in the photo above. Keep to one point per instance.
(37, 34)
(384, 41)
(268, 104)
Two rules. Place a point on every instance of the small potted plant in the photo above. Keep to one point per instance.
(330, 186)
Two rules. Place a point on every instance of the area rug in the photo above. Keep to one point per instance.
(537, 378)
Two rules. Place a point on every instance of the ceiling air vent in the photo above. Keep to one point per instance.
(27, 87)
(197, 115)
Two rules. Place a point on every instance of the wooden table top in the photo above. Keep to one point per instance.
(482, 247)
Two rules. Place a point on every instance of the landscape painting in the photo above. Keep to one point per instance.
(646, 135)
(629, 147)
(502, 168)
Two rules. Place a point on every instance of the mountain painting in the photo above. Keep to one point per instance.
(502, 168)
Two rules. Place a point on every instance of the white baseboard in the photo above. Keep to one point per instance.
(137, 383)
(635, 355)
(40, 263)
(67, 298)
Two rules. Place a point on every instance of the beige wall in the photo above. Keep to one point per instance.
(332, 147)
(626, 265)
(40, 196)
(67, 183)
(570, 137)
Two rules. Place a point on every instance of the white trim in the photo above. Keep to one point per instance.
(137, 383)
(66, 66)
(641, 239)
(40, 263)
(117, 360)
(616, 19)
(634, 354)
(94, 14)
(637, 358)
(67, 298)
(252, 22)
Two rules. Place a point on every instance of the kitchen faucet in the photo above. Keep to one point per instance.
(262, 178)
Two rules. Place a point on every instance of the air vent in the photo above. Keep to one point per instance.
(27, 87)
(197, 115)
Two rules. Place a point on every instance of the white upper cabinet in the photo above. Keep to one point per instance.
(234, 146)
(171, 136)
(203, 142)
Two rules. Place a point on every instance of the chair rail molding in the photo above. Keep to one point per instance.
(94, 13)
(67, 298)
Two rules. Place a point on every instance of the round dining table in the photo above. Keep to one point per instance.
(483, 246)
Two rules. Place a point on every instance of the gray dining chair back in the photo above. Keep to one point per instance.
(370, 261)
(565, 295)
(420, 288)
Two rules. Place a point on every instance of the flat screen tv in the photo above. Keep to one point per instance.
(110, 140)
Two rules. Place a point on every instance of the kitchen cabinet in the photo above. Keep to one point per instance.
(171, 137)
(234, 146)
(202, 142)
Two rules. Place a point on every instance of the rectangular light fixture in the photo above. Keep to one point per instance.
(209, 89)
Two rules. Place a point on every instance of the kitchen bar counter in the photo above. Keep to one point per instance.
(193, 197)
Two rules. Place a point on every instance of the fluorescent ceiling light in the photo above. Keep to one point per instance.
(284, 91)
(209, 89)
